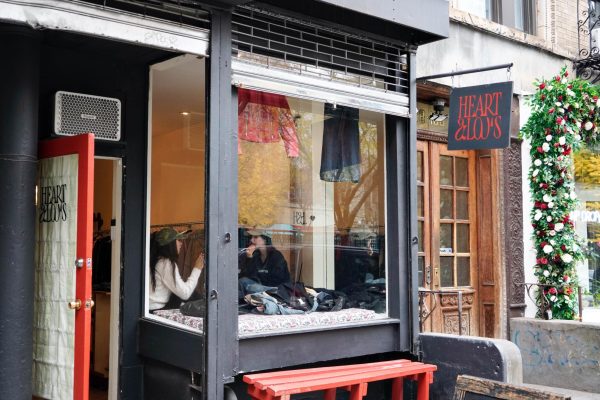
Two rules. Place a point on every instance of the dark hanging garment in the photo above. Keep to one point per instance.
(340, 157)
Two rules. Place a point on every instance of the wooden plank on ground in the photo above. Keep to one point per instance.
(500, 390)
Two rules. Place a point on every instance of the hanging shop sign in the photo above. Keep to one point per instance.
(480, 117)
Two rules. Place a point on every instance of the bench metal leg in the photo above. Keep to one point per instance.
(357, 391)
(398, 389)
(423, 385)
(329, 394)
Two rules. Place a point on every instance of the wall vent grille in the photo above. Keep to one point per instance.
(76, 113)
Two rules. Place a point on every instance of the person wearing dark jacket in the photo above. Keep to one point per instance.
(263, 263)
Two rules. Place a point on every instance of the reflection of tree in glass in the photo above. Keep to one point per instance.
(587, 167)
(359, 200)
(263, 171)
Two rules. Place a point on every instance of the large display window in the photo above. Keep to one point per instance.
(311, 208)
(311, 201)
(176, 189)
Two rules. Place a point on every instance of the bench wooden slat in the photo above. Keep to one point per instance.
(316, 383)
(298, 376)
(251, 378)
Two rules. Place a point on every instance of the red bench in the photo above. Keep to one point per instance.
(353, 378)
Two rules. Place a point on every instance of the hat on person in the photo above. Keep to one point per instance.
(167, 235)
(259, 232)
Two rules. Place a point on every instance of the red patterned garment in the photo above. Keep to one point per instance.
(266, 118)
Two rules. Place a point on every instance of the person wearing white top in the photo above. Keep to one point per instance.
(164, 274)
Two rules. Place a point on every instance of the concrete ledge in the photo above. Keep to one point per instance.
(496, 359)
(559, 353)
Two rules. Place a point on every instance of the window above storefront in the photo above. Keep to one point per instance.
(518, 14)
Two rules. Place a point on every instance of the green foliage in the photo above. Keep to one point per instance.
(563, 120)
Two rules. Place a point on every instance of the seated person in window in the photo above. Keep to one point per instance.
(165, 279)
(261, 262)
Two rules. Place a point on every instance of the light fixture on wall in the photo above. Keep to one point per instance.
(438, 114)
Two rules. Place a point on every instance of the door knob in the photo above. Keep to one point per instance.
(75, 305)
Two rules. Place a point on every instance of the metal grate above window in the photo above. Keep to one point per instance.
(183, 12)
(262, 37)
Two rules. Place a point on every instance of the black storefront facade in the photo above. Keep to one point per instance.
(291, 51)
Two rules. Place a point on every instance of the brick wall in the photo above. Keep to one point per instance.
(562, 28)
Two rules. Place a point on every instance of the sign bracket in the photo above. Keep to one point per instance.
(467, 71)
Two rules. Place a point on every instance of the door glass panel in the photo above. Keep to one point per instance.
(446, 271)
(462, 172)
(421, 271)
(462, 204)
(462, 238)
(446, 204)
(463, 271)
(420, 202)
(421, 225)
(446, 238)
(420, 166)
(446, 170)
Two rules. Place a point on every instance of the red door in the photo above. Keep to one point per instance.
(63, 295)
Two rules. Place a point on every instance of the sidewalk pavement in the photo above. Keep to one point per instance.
(575, 394)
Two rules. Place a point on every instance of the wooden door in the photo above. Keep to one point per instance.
(62, 304)
(446, 214)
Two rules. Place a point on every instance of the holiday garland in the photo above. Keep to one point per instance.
(563, 119)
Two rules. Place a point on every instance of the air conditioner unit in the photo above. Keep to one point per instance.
(77, 113)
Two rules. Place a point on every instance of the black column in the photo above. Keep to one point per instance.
(19, 86)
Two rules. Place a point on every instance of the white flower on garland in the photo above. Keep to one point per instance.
(548, 249)
(562, 140)
(549, 88)
(571, 93)
(551, 204)
(576, 105)
(537, 163)
(598, 102)
(552, 233)
(567, 258)
(573, 195)
(549, 218)
(552, 242)
(588, 126)
(548, 138)
(547, 198)
(559, 226)
(558, 104)
(546, 273)
(538, 215)
(535, 172)
(575, 247)
(578, 137)
(546, 147)
(553, 298)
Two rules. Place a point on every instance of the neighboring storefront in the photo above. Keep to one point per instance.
(587, 225)
(459, 225)
(291, 132)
